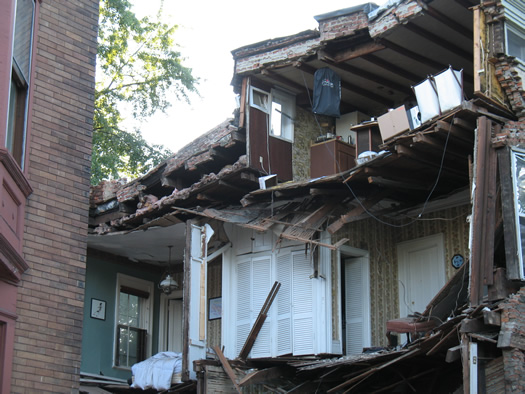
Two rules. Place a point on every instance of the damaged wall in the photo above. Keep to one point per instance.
(512, 340)
(306, 130)
(381, 242)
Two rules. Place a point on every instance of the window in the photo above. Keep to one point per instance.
(515, 40)
(21, 68)
(260, 99)
(133, 321)
(518, 171)
(281, 108)
(282, 115)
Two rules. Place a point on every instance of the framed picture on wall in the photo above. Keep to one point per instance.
(98, 309)
(215, 308)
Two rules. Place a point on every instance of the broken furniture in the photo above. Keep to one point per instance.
(407, 325)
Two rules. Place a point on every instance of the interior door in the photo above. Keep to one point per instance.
(175, 325)
(357, 332)
(421, 272)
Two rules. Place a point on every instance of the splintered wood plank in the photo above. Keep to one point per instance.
(261, 376)
(227, 367)
(366, 204)
(259, 322)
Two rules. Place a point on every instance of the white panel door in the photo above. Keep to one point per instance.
(421, 272)
(261, 286)
(357, 331)
(303, 304)
(175, 325)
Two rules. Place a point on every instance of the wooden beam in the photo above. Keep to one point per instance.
(232, 187)
(429, 142)
(285, 81)
(404, 151)
(478, 251)
(439, 41)
(492, 318)
(317, 215)
(452, 334)
(392, 68)
(457, 27)
(380, 181)
(453, 354)
(244, 95)
(472, 325)
(372, 77)
(259, 322)
(365, 205)
(414, 56)
(262, 375)
(353, 53)
(227, 368)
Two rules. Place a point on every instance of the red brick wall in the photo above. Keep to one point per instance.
(51, 294)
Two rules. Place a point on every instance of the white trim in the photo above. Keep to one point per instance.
(514, 153)
(287, 102)
(147, 315)
(473, 367)
(265, 109)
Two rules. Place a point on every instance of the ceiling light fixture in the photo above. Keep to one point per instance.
(167, 281)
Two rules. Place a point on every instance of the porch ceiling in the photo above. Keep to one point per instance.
(147, 246)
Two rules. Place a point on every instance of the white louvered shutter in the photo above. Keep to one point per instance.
(243, 309)
(284, 303)
(302, 301)
(354, 310)
(261, 286)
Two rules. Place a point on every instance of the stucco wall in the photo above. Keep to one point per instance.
(381, 240)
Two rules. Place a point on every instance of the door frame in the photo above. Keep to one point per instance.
(347, 252)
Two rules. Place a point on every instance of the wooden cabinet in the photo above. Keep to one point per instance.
(331, 157)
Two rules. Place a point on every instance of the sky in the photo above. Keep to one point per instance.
(208, 31)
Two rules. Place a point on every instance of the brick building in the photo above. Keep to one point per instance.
(47, 74)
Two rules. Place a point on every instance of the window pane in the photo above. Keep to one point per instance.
(276, 119)
(123, 346)
(22, 42)
(516, 44)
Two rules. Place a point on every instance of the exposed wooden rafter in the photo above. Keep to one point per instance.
(457, 27)
(353, 53)
(414, 56)
(440, 41)
(371, 77)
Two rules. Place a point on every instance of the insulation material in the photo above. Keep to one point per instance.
(327, 92)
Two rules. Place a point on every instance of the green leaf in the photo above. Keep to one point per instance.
(138, 65)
